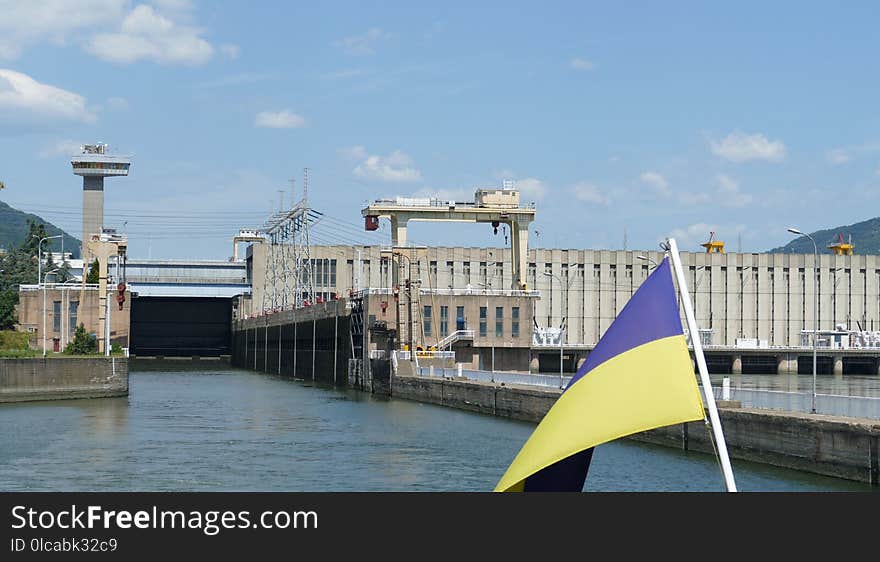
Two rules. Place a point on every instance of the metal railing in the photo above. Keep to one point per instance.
(454, 337)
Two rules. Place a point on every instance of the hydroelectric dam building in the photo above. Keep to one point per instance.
(755, 310)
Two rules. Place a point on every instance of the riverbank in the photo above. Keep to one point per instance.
(827, 445)
(62, 378)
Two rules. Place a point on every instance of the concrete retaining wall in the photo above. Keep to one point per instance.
(61, 378)
(832, 446)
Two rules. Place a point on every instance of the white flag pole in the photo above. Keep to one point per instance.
(701, 364)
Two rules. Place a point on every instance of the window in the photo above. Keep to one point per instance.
(433, 270)
(444, 321)
(459, 318)
(482, 321)
(466, 271)
(72, 308)
(426, 319)
(333, 273)
(450, 267)
(514, 321)
(483, 271)
(56, 316)
(499, 322)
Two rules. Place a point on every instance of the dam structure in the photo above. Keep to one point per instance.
(755, 310)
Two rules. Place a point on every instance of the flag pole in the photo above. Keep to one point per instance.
(701, 364)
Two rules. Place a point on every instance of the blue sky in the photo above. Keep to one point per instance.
(646, 118)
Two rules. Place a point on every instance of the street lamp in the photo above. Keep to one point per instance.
(40, 253)
(564, 287)
(815, 305)
(48, 273)
(647, 259)
(485, 287)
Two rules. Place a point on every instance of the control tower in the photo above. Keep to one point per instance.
(94, 164)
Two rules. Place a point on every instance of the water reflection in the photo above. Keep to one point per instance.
(207, 427)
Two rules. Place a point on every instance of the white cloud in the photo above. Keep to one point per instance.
(729, 193)
(148, 35)
(589, 193)
(531, 189)
(656, 182)
(19, 93)
(230, 51)
(283, 119)
(61, 148)
(741, 147)
(838, 156)
(363, 44)
(24, 23)
(578, 63)
(396, 167)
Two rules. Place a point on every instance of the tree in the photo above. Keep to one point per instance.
(82, 342)
(94, 273)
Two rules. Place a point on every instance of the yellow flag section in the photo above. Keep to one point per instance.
(638, 377)
(623, 396)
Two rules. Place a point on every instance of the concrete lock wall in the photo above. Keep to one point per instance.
(62, 378)
(839, 447)
(306, 344)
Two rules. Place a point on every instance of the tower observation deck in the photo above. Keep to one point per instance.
(94, 164)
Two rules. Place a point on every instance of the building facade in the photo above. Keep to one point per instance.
(738, 298)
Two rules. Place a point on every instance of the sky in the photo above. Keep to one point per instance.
(624, 123)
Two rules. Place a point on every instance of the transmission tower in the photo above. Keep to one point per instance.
(289, 281)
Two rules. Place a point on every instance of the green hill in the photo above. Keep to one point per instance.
(865, 238)
(13, 228)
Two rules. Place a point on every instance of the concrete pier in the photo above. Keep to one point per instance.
(838, 365)
(736, 366)
(786, 365)
(61, 378)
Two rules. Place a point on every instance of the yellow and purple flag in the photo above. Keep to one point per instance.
(638, 377)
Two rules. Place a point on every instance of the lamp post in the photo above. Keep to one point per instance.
(815, 305)
(48, 273)
(40, 253)
(485, 287)
(564, 288)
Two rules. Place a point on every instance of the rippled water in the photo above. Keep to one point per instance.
(215, 428)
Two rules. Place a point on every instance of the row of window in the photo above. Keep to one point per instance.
(101, 165)
(461, 321)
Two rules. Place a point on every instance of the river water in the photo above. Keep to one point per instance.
(210, 427)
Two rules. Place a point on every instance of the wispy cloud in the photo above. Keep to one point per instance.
(284, 119)
(230, 51)
(656, 182)
(363, 44)
(578, 63)
(115, 103)
(729, 193)
(57, 21)
(22, 96)
(697, 233)
(395, 167)
(844, 154)
(742, 147)
(531, 189)
(65, 147)
(590, 193)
